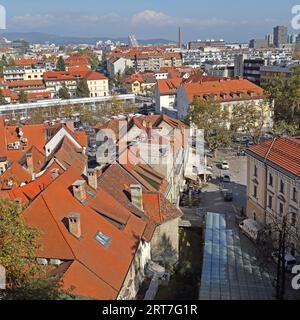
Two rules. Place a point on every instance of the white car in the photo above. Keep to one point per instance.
(225, 165)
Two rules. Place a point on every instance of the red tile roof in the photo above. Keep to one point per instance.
(25, 83)
(283, 152)
(228, 87)
(92, 75)
(73, 75)
(101, 270)
(169, 86)
(17, 174)
(3, 142)
(26, 62)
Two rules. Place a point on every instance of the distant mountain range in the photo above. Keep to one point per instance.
(38, 37)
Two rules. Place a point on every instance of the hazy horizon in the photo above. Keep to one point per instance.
(232, 21)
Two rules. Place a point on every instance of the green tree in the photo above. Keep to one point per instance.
(285, 92)
(25, 278)
(251, 118)
(83, 90)
(94, 62)
(61, 65)
(209, 116)
(68, 111)
(2, 98)
(87, 116)
(63, 93)
(23, 98)
(129, 71)
(117, 105)
(3, 63)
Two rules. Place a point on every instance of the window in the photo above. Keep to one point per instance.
(281, 209)
(281, 187)
(270, 202)
(255, 171)
(255, 191)
(103, 239)
(270, 180)
(295, 194)
(294, 219)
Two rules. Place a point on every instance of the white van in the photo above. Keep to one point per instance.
(252, 229)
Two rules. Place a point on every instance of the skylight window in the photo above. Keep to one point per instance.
(103, 239)
(92, 194)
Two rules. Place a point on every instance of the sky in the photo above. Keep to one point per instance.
(232, 20)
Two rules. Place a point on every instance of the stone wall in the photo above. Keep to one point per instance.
(165, 243)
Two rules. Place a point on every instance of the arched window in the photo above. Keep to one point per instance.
(254, 216)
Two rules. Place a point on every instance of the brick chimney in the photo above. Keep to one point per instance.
(29, 163)
(79, 190)
(74, 225)
(54, 173)
(137, 196)
(92, 178)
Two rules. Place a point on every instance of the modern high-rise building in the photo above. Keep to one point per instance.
(280, 36)
(270, 38)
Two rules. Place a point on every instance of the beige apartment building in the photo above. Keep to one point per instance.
(273, 186)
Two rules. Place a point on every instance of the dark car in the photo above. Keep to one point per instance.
(241, 152)
(226, 179)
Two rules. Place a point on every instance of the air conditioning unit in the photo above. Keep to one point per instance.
(42, 261)
(10, 146)
(24, 140)
(55, 262)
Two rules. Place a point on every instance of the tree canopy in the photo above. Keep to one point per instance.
(209, 116)
(61, 65)
(63, 93)
(83, 90)
(23, 98)
(285, 91)
(25, 278)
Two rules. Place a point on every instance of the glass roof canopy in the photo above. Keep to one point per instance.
(229, 273)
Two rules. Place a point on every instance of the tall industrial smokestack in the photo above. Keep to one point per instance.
(179, 38)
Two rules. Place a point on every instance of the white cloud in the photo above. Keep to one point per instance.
(152, 18)
(155, 18)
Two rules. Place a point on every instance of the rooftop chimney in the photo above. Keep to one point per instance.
(179, 38)
(29, 163)
(74, 225)
(54, 173)
(92, 178)
(137, 196)
(79, 190)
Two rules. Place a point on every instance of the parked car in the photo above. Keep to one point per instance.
(289, 260)
(252, 229)
(226, 179)
(241, 152)
(245, 139)
(225, 165)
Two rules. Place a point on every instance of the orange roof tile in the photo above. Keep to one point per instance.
(282, 152)
(227, 87)
(169, 86)
(47, 214)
